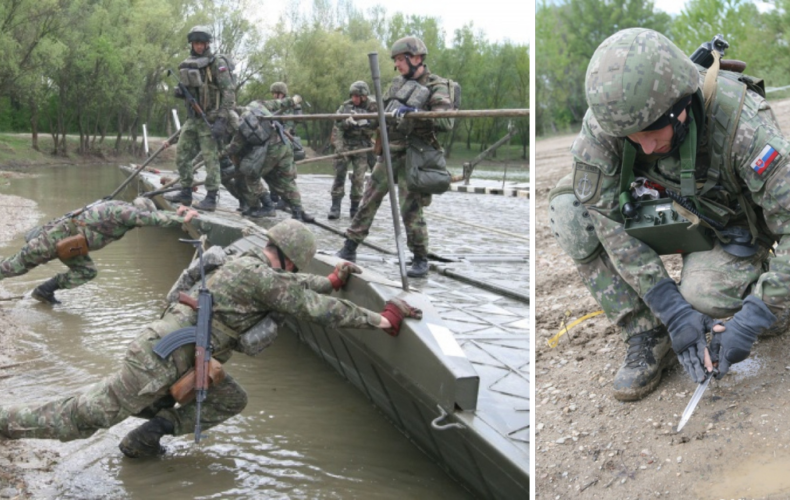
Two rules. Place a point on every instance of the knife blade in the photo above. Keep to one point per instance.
(694, 400)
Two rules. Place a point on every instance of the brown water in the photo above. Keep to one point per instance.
(305, 433)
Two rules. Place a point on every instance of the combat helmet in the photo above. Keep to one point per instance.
(144, 203)
(200, 33)
(638, 79)
(295, 240)
(279, 87)
(359, 88)
(409, 45)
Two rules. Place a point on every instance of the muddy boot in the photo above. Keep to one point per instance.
(649, 353)
(183, 197)
(300, 214)
(354, 208)
(45, 292)
(209, 203)
(334, 210)
(282, 205)
(419, 267)
(267, 205)
(144, 440)
(257, 212)
(349, 251)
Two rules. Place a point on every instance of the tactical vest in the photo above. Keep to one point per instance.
(254, 130)
(199, 75)
(719, 194)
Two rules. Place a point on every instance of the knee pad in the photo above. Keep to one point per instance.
(571, 224)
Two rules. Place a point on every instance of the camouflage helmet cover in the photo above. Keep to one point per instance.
(359, 88)
(409, 45)
(200, 34)
(634, 77)
(144, 203)
(279, 87)
(295, 240)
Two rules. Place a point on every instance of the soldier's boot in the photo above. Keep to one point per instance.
(334, 210)
(354, 208)
(282, 205)
(419, 267)
(298, 213)
(349, 251)
(209, 203)
(258, 212)
(243, 205)
(144, 440)
(649, 354)
(45, 292)
(184, 196)
(268, 205)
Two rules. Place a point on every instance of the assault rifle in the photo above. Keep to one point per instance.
(199, 334)
(191, 100)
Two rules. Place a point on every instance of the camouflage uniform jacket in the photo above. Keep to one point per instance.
(217, 95)
(246, 288)
(598, 158)
(439, 100)
(108, 221)
(353, 136)
(286, 106)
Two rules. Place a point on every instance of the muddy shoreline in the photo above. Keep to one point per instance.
(19, 214)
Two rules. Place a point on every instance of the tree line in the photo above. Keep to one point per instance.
(97, 68)
(569, 31)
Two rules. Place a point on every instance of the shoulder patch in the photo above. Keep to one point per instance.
(764, 159)
(586, 182)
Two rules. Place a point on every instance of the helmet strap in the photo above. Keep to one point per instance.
(283, 258)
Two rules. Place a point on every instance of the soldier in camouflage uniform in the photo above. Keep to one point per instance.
(245, 289)
(209, 78)
(409, 55)
(658, 126)
(101, 224)
(259, 149)
(348, 135)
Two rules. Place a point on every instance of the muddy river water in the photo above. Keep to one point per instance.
(304, 434)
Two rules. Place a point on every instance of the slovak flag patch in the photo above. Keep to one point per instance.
(764, 159)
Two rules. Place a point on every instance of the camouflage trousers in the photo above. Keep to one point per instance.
(359, 164)
(41, 250)
(139, 388)
(196, 138)
(411, 205)
(279, 172)
(713, 282)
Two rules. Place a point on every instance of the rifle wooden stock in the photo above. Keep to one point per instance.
(183, 390)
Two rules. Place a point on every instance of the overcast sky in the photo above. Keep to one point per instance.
(500, 20)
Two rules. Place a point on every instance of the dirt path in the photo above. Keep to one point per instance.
(589, 445)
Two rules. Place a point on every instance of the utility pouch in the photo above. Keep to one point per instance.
(661, 227)
(426, 169)
(183, 390)
(419, 97)
(299, 152)
(190, 77)
(405, 91)
(71, 247)
(253, 131)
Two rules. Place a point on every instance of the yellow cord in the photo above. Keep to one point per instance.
(556, 339)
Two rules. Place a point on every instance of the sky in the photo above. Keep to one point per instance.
(500, 20)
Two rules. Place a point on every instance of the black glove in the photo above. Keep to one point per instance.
(687, 327)
(218, 129)
(178, 93)
(734, 344)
